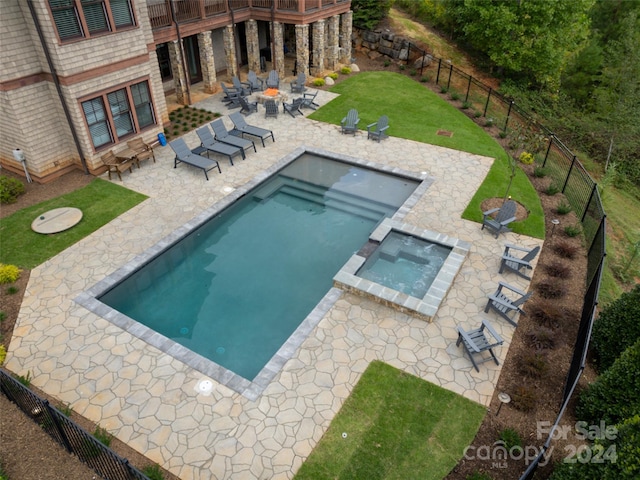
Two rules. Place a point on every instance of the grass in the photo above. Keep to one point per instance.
(398, 427)
(416, 113)
(100, 202)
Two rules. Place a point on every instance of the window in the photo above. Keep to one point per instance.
(118, 120)
(84, 18)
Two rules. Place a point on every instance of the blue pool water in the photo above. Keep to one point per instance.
(237, 287)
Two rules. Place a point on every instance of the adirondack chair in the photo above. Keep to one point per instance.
(518, 264)
(273, 80)
(378, 131)
(257, 84)
(230, 96)
(476, 341)
(270, 109)
(309, 100)
(247, 107)
(506, 306)
(297, 86)
(349, 124)
(243, 87)
(293, 108)
(506, 214)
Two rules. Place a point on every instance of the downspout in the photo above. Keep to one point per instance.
(184, 58)
(56, 82)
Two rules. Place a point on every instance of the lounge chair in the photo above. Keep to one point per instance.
(293, 108)
(184, 155)
(309, 100)
(244, 88)
(506, 214)
(241, 128)
(223, 135)
(271, 109)
(506, 306)
(114, 165)
(257, 84)
(518, 264)
(349, 124)
(476, 341)
(247, 107)
(297, 86)
(143, 151)
(208, 142)
(378, 131)
(273, 80)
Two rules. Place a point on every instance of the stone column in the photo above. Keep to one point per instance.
(318, 48)
(333, 42)
(253, 45)
(278, 45)
(346, 28)
(177, 70)
(302, 49)
(229, 40)
(207, 62)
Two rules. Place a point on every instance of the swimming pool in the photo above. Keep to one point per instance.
(235, 284)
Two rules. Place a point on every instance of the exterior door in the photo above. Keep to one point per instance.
(192, 54)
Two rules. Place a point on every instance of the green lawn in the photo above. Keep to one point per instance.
(416, 113)
(100, 202)
(398, 427)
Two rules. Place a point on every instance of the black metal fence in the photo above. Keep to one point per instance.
(567, 174)
(105, 462)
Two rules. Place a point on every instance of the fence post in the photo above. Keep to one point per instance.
(450, 72)
(548, 149)
(506, 122)
(566, 180)
(466, 98)
(486, 105)
(438, 75)
(59, 428)
(586, 208)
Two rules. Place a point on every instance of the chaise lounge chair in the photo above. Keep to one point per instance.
(241, 128)
(223, 135)
(184, 155)
(208, 142)
(349, 124)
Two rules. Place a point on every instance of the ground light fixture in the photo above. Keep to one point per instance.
(504, 399)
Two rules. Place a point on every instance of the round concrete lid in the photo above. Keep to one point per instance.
(57, 220)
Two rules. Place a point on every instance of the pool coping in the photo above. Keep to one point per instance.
(425, 307)
(249, 389)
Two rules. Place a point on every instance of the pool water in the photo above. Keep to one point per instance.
(236, 288)
(405, 263)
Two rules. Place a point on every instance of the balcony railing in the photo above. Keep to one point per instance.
(186, 10)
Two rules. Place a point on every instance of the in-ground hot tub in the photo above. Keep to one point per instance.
(404, 267)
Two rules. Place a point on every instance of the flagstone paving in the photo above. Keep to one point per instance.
(150, 400)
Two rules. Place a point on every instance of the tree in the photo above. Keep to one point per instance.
(368, 13)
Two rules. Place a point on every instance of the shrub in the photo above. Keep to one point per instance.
(387, 63)
(542, 338)
(552, 189)
(615, 395)
(3, 316)
(8, 273)
(413, 72)
(526, 158)
(333, 75)
(478, 476)
(24, 379)
(10, 189)
(102, 435)
(425, 79)
(3, 354)
(466, 105)
(477, 114)
(455, 96)
(66, 409)
(616, 328)
(551, 289)
(12, 290)
(511, 438)
(539, 172)
(524, 398)
(401, 67)
(565, 250)
(489, 122)
(533, 364)
(443, 89)
(153, 472)
(318, 82)
(547, 314)
(345, 70)
(557, 269)
(563, 208)
(572, 230)
(502, 134)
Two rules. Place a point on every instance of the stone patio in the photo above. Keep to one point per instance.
(155, 403)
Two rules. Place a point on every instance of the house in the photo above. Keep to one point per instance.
(82, 77)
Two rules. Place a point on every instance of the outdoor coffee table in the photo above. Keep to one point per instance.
(57, 220)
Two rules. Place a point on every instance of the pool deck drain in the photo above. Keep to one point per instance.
(149, 399)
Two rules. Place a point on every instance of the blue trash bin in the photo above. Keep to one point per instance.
(162, 139)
